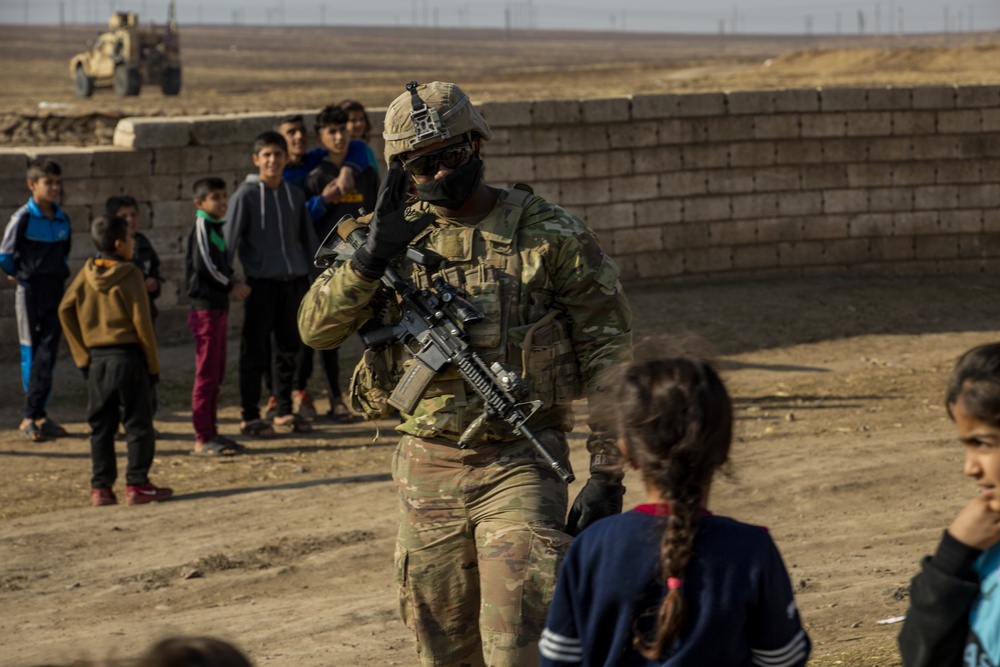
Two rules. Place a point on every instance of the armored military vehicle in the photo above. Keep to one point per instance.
(128, 57)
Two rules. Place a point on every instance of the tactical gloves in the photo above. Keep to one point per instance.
(601, 496)
(389, 232)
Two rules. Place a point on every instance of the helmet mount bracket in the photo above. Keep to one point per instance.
(427, 125)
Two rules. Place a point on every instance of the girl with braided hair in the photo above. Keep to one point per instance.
(669, 583)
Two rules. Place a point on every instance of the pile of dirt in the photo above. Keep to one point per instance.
(58, 129)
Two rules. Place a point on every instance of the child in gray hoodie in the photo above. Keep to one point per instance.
(269, 229)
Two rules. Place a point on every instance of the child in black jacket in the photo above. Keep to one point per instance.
(954, 615)
(210, 282)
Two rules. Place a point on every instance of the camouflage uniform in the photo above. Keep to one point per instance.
(482, 529)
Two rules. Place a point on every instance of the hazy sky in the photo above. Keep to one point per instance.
(705, 16)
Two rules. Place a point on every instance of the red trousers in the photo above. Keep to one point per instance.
(209, 330)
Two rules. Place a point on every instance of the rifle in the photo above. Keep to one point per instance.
(433, 329)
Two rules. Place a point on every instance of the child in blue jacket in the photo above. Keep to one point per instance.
(954, 615)
(669, 583)
(34, 254)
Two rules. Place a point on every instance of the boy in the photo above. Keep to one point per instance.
(270, 229)
(301, 162)
(145, 257)
(334, 136)
(105, 313)
(210, 281)
(34, 254)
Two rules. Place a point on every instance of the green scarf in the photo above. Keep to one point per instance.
(215, 236)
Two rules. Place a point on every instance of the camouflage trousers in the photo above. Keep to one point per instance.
(480, 542)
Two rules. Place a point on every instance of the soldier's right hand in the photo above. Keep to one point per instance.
(389, 232)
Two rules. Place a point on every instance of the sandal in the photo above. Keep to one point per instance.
(339, 414)
(256, 429)
(32, 432)
(218, 447)
(292, 423)
(51, 429)
(228, 441)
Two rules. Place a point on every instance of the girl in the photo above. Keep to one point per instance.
(669, 583)
(359, 126)
(954, 616)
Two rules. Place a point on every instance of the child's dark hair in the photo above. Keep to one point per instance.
(675, 419)
(117, 203)
(269, 138)
(354, 105)
(976, 382)
(203, 186)
(39, 167)
(329, 116)
(293, 118)
(177, 651)
(193, 652)
(105, 231)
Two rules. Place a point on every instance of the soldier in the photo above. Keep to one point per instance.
(483, 529)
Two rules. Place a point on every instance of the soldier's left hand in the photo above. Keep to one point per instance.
(601, 496)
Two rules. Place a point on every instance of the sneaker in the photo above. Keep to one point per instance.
(271, 411)
(103, 496)
(302, 404)
(146, 493)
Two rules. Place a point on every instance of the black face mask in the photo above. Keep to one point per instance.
(454, 189)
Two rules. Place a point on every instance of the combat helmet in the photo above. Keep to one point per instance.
(428, 113)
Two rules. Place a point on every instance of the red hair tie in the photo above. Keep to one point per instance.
(673, 583)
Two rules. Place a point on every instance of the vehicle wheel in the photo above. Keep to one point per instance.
(171, 81)
(83, 84)
(127, 81)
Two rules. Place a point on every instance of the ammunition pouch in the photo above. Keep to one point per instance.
(548, 362)
(372, 382)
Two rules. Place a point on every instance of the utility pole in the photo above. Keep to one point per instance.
(322, 15)
(838, 23)
(809, 25)
(861, 22)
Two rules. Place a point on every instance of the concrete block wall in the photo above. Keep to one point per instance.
(782, 182)
(751, 183)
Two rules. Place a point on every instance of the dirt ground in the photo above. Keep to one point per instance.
(234, 69)
(843, 450)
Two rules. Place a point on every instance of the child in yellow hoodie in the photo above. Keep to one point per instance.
(105, 316)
